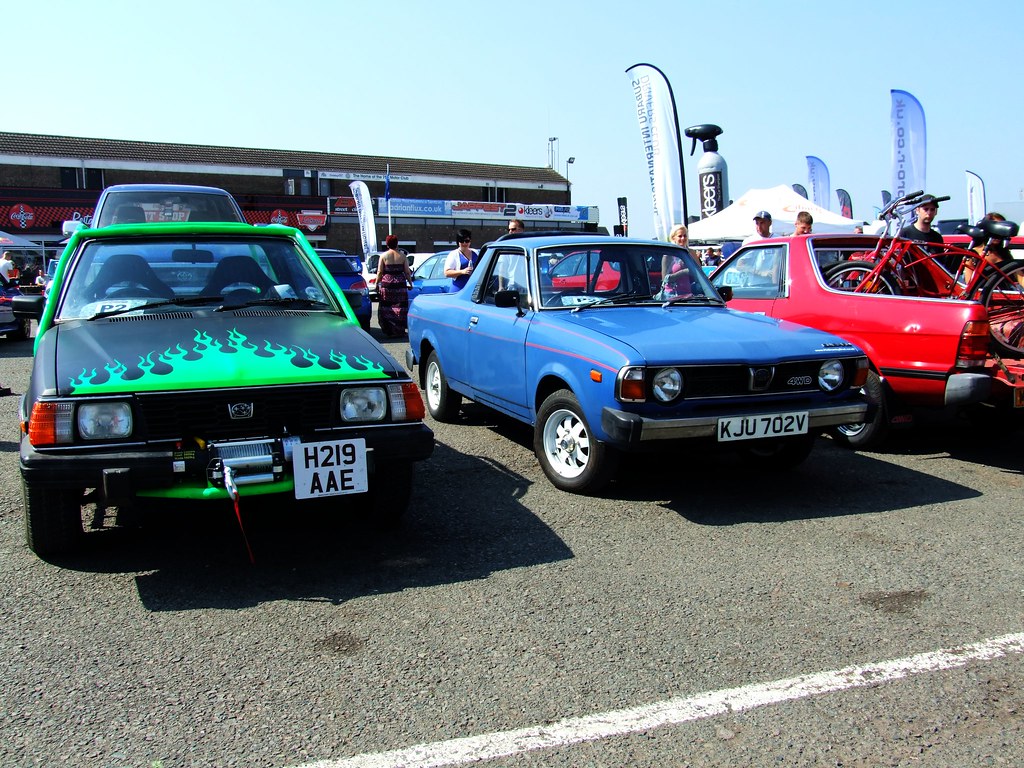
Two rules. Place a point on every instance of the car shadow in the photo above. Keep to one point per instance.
(464, 524)
(725, 489)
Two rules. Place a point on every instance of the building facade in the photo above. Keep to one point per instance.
(46, 180)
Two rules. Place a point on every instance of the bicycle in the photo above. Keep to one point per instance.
(900, 266)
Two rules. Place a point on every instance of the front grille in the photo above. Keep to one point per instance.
(207, 414)
(734, 380)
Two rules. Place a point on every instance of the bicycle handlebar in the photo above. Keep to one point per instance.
(893, 205)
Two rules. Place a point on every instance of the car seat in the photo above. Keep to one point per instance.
(127, 269)
(129, 214)
(234, 270)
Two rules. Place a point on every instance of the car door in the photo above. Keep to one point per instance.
(497, 335)
(757, 276)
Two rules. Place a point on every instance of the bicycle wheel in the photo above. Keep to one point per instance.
(849, 275)
(1003, 297)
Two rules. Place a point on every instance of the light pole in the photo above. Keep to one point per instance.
(568, 184)
(552, 159)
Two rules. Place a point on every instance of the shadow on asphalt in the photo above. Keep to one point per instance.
(721, 489)
(194, 556)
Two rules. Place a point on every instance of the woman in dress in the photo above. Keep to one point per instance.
(393, 279)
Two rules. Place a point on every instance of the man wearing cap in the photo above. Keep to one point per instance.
(921, 229)
(763, 225)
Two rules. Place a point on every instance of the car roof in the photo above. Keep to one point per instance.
(193, 188)
(186, 229)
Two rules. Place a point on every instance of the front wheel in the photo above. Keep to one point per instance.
(1003, 297)
(570, 456)
(871, 433)
(442, 402)
(854, 276)
(53, 519)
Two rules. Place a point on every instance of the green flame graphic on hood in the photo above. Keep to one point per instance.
(235, 360)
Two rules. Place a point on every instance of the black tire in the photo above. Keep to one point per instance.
(847, 275)
(22, 332)
(442, 402)
(780, 453)
(871, 433)
(570, 456)
(1003, 297)
(390, 493)
(53, 519)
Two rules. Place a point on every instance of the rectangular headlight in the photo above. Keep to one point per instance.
(364, 404)
(104, 421)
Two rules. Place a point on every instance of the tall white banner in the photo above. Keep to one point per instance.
(818, 181)
(659, 132)
(975, 197)
(908, 144)
(364, 209)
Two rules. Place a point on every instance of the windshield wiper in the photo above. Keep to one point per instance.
(693, 298)
(181, 301)
(293, 301)
(621, 298)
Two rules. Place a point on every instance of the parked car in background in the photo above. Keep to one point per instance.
(925, 353)
(13, 328)
(601, 369)
(428, 276)
(207, 362)
(347, 271)
(153, 203)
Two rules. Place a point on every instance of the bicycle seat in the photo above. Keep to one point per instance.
(1000, 229)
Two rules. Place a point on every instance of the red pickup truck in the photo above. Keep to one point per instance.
(924, 353)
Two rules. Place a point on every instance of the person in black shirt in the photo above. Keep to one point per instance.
(921, 230)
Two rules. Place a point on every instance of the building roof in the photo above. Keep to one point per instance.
(39, 145)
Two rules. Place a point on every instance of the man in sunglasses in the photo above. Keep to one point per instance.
(515, 226)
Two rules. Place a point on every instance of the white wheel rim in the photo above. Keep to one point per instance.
(566, 444)
(433, 386)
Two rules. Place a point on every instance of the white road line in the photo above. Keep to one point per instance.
(574, 730)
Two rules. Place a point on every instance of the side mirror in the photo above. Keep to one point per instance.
(725, 291)
(68, 228)
(508, 298)
(28, 306)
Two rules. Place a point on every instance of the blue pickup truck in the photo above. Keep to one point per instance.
(604, 345)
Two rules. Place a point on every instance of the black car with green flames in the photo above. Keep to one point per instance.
(203, 361)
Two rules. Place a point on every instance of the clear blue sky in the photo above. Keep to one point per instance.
(491, 82)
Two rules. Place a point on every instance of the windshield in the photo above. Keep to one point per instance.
(115, 275)
(136, 207)
(342, 264)
(572, 276)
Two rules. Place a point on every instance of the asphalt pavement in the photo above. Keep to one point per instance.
(506, 607)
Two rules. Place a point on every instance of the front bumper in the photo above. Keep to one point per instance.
(630, 429)
(122, 474)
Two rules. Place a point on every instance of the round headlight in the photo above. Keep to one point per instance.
(830, 375)
(667, 385)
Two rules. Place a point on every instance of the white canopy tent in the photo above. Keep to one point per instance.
(737, 221)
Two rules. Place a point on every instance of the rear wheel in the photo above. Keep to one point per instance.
(850, 276)
(22, 332)
(53, 519)
(1003, 297)
(871, 433)
(569, 454)
(442, 402)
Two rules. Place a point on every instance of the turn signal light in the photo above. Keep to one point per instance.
(50, 424)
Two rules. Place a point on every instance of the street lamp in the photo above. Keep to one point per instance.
(568, 184)
(552, 160)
